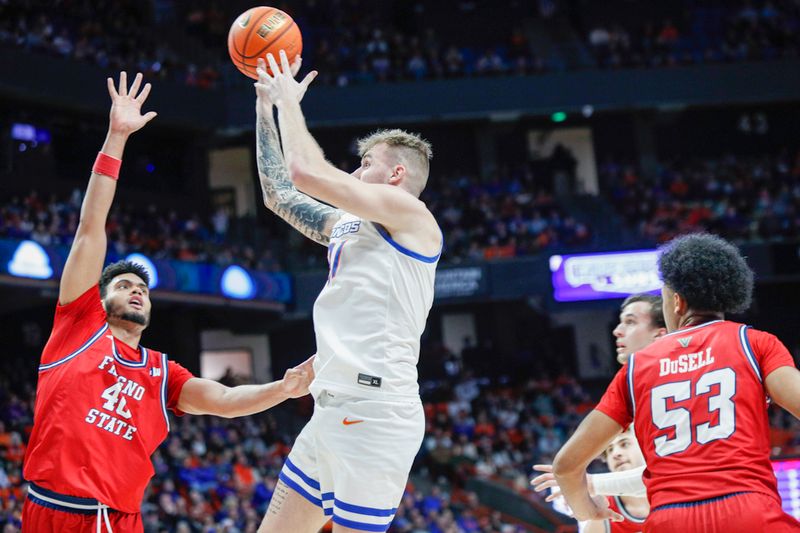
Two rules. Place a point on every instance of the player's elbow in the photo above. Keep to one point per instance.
(303, 175)
(564, 464)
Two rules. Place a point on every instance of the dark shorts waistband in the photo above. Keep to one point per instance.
(61, 502)
(682, 505)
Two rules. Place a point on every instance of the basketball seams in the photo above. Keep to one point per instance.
(253, 25)
(239, 38)
(271, 42)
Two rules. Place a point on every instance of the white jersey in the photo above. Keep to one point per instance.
(370, 315)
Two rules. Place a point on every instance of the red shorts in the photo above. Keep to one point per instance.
(48, 515)
(752, 512)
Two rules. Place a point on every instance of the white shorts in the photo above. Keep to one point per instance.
(353, 457)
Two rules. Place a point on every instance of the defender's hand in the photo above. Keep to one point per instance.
(600, 511)
(548, 481)
(126, 105)
(296, 380)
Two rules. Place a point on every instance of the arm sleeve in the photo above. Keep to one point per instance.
(74, 324)
(616, 402)
(177, 377)
(768, 351)
(626, 483)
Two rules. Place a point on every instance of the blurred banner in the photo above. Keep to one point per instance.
(29, 259)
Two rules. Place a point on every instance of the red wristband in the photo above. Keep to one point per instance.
(107, 165)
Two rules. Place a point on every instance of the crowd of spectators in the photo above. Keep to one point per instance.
(158, 234)
(740, 198)
(215, 475)
(699, 32)
(354, 42)
(502, 217)
(113, 35)
(507, 216)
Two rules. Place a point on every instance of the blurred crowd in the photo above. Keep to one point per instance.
(216, 475)
(737, 197)
(504, 217)
(697, 32)
(356, 41)
(159, 234)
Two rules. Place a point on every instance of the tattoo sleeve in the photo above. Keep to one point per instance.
(305, 214)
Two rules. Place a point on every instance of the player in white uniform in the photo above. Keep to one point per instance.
(351, 461)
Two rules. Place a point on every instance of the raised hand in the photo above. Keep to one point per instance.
(296, 380)
(601, 511)
(548, 481)
(126, 105)
(263, 102)
(279, 84)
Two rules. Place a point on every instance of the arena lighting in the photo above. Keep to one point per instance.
(237, 283)
(30, 261)
(29, 133)
(558, 116)
(148, 266)
(605, 275)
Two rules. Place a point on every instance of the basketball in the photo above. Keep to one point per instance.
(259, 31)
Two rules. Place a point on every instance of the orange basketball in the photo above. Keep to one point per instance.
(259, 31)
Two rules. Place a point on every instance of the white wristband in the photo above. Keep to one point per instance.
(626, 483)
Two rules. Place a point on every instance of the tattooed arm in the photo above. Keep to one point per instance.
(310, 217)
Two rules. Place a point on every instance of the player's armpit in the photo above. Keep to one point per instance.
(782, 385)
(310, 217)
(389, 205)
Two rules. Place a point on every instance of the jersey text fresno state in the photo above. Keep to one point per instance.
(116, 400)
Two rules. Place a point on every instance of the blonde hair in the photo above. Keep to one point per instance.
(413, 151)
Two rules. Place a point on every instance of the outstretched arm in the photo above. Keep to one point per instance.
(312, 174)
(85, 262)
(569, 467)
(201, 396)
(310, 217)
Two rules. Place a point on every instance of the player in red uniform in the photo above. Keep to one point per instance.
(641, 321)
(698, 400)
(622, 454)
(102, 399)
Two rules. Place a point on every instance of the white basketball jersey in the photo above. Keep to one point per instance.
(370, 315)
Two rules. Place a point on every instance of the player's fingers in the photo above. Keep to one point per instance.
(308, 79)
(285, 67)
(137, 82)
(261, 68)
(150, 115)
(539, 487)
(552, 497)
(296, 64)
(144, 94)
(112, 91)
(123, 84)
(263, 75)
(273, 65)
(543, 468)
(541, 478)
(613, 516)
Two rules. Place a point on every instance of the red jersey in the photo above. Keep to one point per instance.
(101, 409)
(699, 407)
(631, 524)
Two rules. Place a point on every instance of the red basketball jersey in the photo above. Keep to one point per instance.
(101, 409)
(631, 524)
(699, 407)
